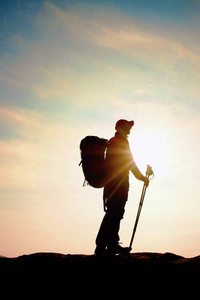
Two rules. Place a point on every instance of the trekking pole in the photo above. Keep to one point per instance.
(149, 172)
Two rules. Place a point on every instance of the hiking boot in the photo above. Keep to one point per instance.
(117, 249)
(100, 251)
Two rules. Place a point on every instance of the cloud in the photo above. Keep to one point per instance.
(36, 149)
(133, 40)
(87, 56)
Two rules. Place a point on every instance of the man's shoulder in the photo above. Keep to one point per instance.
(119, 140)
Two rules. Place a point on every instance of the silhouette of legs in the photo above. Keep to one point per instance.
(108, 235)
(108, 232)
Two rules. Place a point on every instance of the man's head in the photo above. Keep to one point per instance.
(123, 126)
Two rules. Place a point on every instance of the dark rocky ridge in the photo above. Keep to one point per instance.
(58, 276)
(78, 261)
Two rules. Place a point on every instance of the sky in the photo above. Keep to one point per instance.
(69, 69)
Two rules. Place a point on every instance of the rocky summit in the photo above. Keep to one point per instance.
(81, 262)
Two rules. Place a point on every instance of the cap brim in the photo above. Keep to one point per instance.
(131, 123)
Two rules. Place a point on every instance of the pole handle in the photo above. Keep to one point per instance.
(149, 172)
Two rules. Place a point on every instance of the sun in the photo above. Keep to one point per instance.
(149, 148)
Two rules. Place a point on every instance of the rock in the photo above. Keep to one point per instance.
(58, 275)
(78, 261)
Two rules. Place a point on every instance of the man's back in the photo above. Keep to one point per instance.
(118, 158)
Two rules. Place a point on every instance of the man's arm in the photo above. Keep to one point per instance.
(136, 172)
(134, 168)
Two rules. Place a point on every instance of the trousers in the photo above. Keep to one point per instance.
(108, 234)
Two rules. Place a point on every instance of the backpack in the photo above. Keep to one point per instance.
(93, 152)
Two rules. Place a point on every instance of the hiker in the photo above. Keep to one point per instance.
(119, 161)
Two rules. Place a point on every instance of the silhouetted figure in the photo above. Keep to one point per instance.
(119, 161)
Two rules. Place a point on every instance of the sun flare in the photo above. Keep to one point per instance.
(149, 148)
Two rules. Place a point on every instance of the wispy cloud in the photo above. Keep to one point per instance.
(133, 40)
(27, 159)
(71, 60)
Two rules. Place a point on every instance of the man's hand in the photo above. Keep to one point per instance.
(146, 181)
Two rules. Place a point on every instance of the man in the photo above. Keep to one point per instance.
(119, 161)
